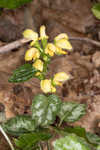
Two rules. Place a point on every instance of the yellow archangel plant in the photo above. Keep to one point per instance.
(41, 52)
(45, 107)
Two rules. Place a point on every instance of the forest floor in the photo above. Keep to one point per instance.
(73, 17)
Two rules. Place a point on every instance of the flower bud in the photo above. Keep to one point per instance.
(43, 33)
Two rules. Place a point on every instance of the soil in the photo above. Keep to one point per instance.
(73, 17)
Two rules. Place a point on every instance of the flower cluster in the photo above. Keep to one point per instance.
(48, 85)
(40, 53)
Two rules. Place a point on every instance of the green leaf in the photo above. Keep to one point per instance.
(11, 4)
(93, 138)
(27, 141)
(19, 124)
(23, 73)
(54, 104)
(96, 10)
(45, 109)
(98, 147)
(71, 111)
(76, 130)
(71, 142)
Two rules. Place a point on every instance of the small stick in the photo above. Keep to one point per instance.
(87, 40)
(13, 45)
(18, 43)
(7, 138)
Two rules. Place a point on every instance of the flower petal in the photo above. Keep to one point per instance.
(50, 49)
(36, 54)
(38, 64)
(29, 54)
(63, 43)
(61, 36)
(46, 85)
(53, 89)
(60, 77)
(59, 51)
(30, 34)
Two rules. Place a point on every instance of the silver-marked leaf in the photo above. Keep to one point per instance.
(71, 142)
(54, 104)
(45, 109)
(71, 111)
(93, 138)
(39, 107)
(19, 124)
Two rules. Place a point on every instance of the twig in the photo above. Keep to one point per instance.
(87, 40)
(7, 138)
(18, 43)
(13, 45)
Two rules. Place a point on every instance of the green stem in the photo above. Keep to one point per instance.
(60, 123)
(37, 45)
(57, 130)
(44, 43)
(7, 138)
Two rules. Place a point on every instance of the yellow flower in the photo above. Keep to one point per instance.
(47, 86)
(63, 43)
(50, 49)
(61, 36)
(60, 77)
(59, 51)
(30, 34)
(32, 53)
(43, 33)
(36, 54)
(53, 89)
(38, 64)
(38, 73)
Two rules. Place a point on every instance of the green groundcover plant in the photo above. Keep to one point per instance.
(36, 131)
(12, 4)
(96, 10)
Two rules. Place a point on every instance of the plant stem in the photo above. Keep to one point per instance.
(60, 123)
(7, 138)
